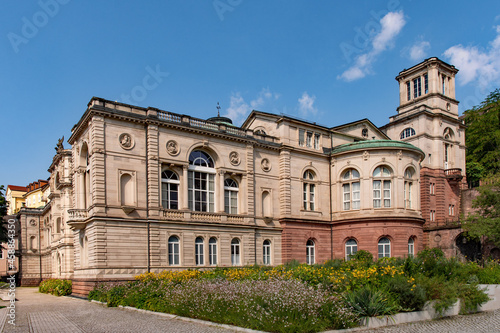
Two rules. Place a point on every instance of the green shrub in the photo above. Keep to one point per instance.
(370, 303)
(363, 256)
(471, 297)
(409, 295)
(56, 287)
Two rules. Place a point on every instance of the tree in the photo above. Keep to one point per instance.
(482, 138)
(486, 220)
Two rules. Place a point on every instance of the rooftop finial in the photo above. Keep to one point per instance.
(218, 109)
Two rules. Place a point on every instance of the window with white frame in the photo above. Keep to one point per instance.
(417, 88)
(406, 133)
(408, 188)
(351, 247)
(411, 247)
(302, 139)
(382, 187)
(432, 215)
(309, 190)
(451, 210)
(169, 190)
(235, 252)
(230, 196)
(317, 140)
(212, 251)
(310, 255)
(173, 251)
(201, 182)
(199, 251)
(266, 252)
(309, 137)
(384, 247)
(351, 190)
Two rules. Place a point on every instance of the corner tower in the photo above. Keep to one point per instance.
(427, 117)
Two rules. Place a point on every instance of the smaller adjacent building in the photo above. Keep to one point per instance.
(15, 198)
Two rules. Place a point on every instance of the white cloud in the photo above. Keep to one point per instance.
(238, 109)
(306, 105)
(475, 64)
(391, 25)
(418, 51)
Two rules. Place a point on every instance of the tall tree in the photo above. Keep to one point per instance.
(3, 212)
(486, 220)
(482, 138)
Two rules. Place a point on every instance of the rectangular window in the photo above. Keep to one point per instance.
(312, 188)
(443, 79)
(347, 196)
(426, 83)
(377, 193)
(302, 134)
(212, 252)
(199, 254)
(387, 193)
(451, 210)
(408, 91)
(417, 89)
(316, 141)
(356, 197)
(201, 191)
(432, 215)
(309, 139)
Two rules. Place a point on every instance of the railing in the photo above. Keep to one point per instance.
(235, 219)
(206, 217)
(169, 117)
(77, 214)
(453, 172)
(235, 131)
(203, 124)
(173, 214)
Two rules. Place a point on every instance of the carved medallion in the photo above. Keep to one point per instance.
(33, 223)
(265, 165)
(126, 141)
(173, 147)
(234, 158)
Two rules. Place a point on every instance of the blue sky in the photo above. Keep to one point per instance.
(330, 62)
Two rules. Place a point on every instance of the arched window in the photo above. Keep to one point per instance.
(382, 187)
(408, 188)
(310, 259)
(201, 182)
(212, 251)
(198, 247)
(173, 251)
(169, 190)
(235, 252)
(351, 247)
(309, 190)
(266, 252)
(411, 247)
(230, 196)
(384, 247)
(127, 190)
(351, 189)
(406, 133)
(85, 177)
(448, 134)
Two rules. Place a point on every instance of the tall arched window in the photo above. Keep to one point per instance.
(169, 190)
(230, 196)
(310, 255)
(212, 251)
(384, 247)
(411, 247)
(235, 252)
(173, 251)
(351, 247)
(408, 188)
(406, 133)
(266, 252)
(198, 248)
(351, 189)
(309, 189)
(382, 187)
(201, 182)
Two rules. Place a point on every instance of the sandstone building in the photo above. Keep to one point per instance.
(142, 189)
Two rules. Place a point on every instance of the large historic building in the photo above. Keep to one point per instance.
(143, 189)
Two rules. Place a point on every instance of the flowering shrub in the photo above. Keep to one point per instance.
(56, 287)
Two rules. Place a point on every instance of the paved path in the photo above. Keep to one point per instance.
(40, 313)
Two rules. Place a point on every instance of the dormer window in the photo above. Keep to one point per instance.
(364, 132)
(309, 139)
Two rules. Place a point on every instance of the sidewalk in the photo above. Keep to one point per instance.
(41, 313)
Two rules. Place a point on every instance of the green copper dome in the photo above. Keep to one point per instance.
(373, 144)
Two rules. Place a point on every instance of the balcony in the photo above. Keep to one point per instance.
(77, 217)
(454, 174)
(188, 216)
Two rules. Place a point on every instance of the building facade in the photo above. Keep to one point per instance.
(142, 189)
